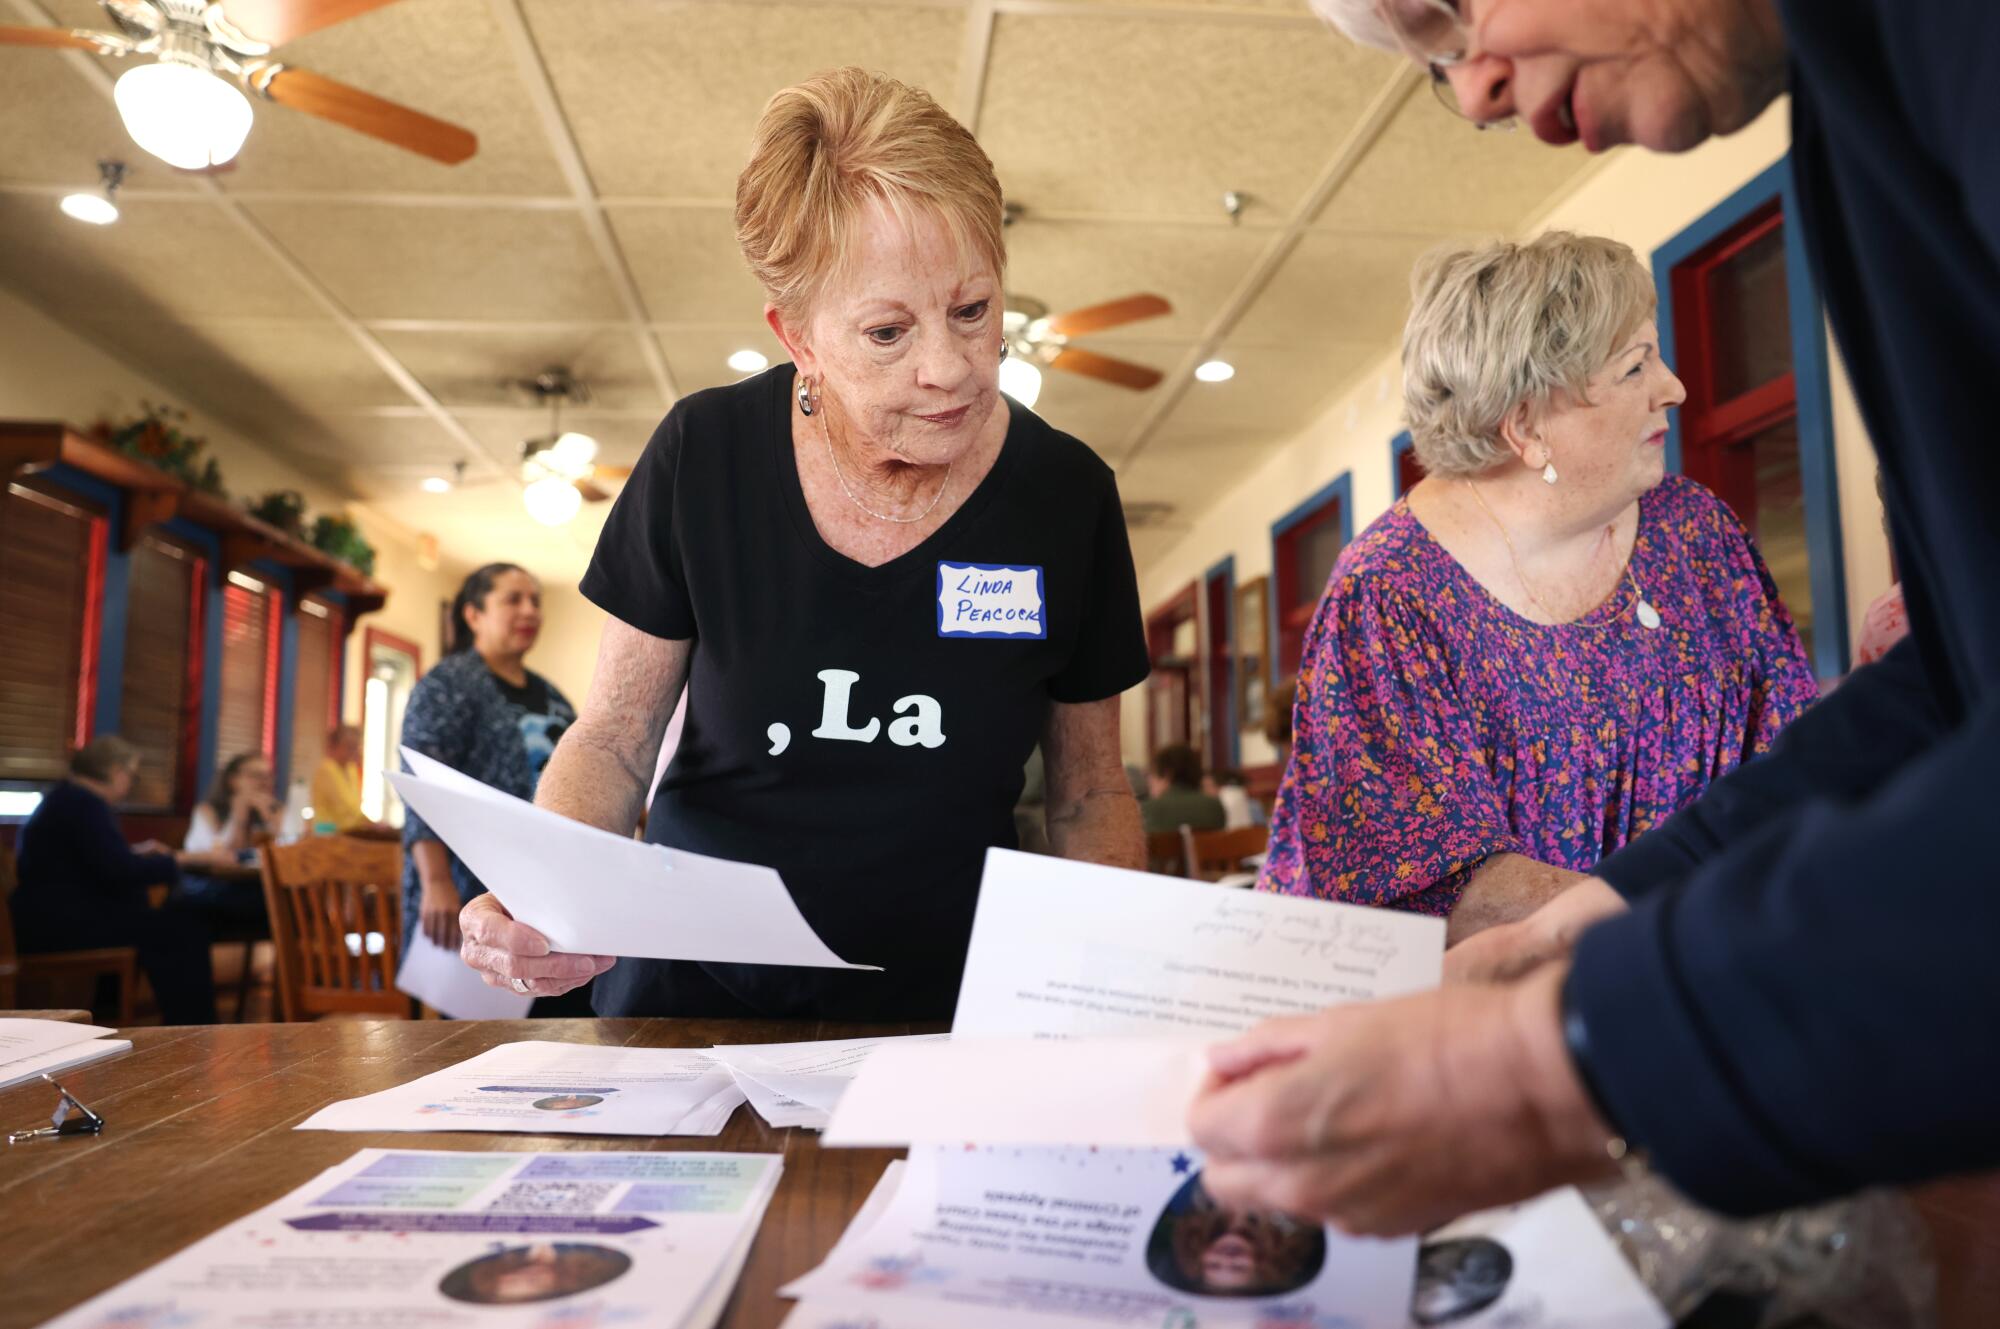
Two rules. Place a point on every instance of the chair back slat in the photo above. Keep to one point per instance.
(1213, 855)
(320, 892)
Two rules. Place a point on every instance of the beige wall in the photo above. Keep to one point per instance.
(1639, 198)
(568, 649)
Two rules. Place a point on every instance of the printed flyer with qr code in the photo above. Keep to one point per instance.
(396, 1237)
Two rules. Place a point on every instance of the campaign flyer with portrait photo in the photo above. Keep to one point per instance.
(396, 1237)
(1041, 1235)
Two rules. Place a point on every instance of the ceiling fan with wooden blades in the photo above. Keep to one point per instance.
(1037, 338)
(187, 103)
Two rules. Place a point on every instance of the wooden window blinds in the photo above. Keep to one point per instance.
(249, 673)
(161, 707)
(47, 552)
(312, 688)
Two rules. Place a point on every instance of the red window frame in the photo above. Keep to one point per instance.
(1710, 427)
(90, 660)
(1297, 604)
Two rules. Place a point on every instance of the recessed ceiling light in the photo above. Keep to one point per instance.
(1215, 371)
(436, 484)
(749, 362)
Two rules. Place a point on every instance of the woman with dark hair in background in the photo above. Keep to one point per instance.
(238, 811)
(482, 712)
(83, 887)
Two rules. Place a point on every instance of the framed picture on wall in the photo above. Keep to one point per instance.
(1253, 651)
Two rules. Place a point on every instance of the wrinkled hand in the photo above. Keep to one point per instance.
(1392, 1117)
(1514, 950)
(503, 950)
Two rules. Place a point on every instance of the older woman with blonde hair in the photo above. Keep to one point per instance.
(1550, 644)
(880, 581)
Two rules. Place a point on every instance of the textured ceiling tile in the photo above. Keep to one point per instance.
(1275, 391)
(480, 368)
(488, 523)
(1068, 265)
(445, 58)
(687, 266)
(59, 127)
(162, 261)
(1124, 114)
(472, 263)
(1339, 287)
(1432, 170)
(699, 357)
(664, 97)
(310, 367)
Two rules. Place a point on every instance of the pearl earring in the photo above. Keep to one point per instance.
(1549, 474)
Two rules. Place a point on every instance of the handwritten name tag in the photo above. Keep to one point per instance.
(990, 600)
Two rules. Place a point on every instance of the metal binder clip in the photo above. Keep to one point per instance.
(70, 1118)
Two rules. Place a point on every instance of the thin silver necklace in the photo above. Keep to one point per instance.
(1642, 608)
(826, 435)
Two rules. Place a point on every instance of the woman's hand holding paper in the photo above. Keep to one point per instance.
(1392, 1117)
(503, 950)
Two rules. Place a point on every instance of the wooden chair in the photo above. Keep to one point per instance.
(330, 897)
(1213, 855)
(1166, 853)
(56, 967)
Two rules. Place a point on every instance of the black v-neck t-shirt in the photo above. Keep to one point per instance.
(862, 730)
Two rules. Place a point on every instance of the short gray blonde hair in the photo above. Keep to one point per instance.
(1360, 21)
(1503, 324)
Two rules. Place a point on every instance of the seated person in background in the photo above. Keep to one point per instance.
(1278, 719)
(83, 888)
(1174, 797)
(238, 814)
(336, 785)
(1238, 807)
(1550, 644)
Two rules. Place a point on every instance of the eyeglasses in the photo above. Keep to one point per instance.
(83, 1122)
(1433, 33)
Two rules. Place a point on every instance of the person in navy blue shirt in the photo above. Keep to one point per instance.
(83, 887)
(1786, 992)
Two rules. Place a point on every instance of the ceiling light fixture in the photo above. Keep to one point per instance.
(552, 500)
(436, 484)
(97, 206)
(1021, 379)
(1215, 371)
(749, 362)
(181, 113)
(571, 455)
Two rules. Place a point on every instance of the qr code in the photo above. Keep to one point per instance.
(553, 1197)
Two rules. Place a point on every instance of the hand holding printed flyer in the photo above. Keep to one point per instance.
(406, 1237)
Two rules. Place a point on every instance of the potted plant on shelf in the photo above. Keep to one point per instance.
(160, 439)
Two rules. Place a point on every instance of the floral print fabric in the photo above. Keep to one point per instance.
(1436, 727)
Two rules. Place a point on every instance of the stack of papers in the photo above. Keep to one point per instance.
(31, 1048)
(797, 1084)
(1050, 1180)
(552, 1089)
(397, 1236)
(594, 893)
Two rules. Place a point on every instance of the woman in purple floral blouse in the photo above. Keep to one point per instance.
(1549, 644)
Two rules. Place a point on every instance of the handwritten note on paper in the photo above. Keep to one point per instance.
(1062, 948)
(990, 600)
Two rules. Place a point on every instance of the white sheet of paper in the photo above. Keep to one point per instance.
(801, 1082)
(469, 1239)
(591, 892)
(551, 1089)
(26, 1037)
(57, 1060)
(1131, 1092)
(1544, 1264)
(1065, 948)
(442, 981)
(1003, 1236)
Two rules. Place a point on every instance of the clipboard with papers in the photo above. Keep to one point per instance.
(595, 893)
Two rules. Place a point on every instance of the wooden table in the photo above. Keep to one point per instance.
(198, 1132)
